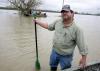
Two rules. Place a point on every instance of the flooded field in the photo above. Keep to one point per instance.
(17, 41)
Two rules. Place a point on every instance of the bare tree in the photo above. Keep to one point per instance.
(25, 6)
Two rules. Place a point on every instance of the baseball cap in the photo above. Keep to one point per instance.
(66, 8)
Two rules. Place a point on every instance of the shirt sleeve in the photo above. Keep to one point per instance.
(80, 41)
(51, 27)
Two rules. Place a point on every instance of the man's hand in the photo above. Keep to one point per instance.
(82, 62)
(34, 20)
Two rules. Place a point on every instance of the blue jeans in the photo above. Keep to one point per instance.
(64, 60)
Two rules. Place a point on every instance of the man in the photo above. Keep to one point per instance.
(67, 36)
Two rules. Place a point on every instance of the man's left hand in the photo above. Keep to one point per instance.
(82, 62)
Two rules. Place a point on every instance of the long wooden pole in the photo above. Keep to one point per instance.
(37, 63)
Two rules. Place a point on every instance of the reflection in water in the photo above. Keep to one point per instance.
(17, 41)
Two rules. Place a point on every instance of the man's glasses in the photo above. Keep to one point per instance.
(63, 11)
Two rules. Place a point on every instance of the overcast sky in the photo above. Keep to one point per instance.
(75, 4)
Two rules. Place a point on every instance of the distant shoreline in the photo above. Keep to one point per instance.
(81, 13)
(8, 8)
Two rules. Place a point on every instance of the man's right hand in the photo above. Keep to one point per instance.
(34, 21)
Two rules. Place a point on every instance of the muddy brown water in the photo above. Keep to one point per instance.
(17, 41)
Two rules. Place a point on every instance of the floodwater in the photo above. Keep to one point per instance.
(17, 41)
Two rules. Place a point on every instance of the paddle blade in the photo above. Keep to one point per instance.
(37, 65)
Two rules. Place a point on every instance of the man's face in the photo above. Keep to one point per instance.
(66, 15)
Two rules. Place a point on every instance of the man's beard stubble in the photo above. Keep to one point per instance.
(67, 19)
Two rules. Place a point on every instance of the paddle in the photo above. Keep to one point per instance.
(37, 63)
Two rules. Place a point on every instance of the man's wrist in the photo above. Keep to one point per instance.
(84, 56)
